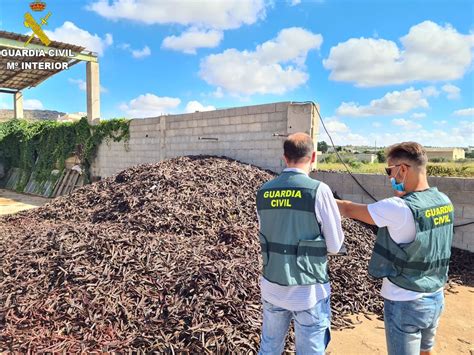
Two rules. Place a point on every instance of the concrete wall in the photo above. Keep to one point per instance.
(367, 158)
(243, 133)
(459, 190)
(362, 157)
(449, 154)
(459, 153)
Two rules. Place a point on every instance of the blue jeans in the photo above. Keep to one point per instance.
(312, 328)
(410, 326)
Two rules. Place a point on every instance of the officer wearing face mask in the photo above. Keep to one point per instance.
(412, 250)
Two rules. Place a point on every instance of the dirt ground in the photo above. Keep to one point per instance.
(455, 333)
(12, 202)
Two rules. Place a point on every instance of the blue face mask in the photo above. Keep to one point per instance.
(397, 187)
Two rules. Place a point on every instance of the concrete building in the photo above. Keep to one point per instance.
(446, 153)
(366, 157)
(72, 117)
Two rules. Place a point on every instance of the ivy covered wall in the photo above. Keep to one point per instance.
(39, 147)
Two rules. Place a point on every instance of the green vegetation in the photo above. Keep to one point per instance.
(381, 156)
(439, 160)
(459, 169)
(323, 146)
(41, 146)
(330, 159)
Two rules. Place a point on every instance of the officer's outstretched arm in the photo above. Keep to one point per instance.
(353, 210)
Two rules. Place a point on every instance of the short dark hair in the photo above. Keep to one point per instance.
(412, 151)
(298, 146)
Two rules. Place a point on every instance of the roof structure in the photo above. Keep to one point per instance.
(21, 67)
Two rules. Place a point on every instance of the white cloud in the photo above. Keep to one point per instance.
(70, 33)
(150, 105)
(376, 124)
(430, 91)
(347, 138)
(275, 67)
(222, 15)
(333, 125)
(32, 104)
(464, 112)
(459, 136)
(192, 39)
(440, 123)
(405, 124)
(141, 53)
(218, 93)
(452, 91)
(429, 52)
(418, 115)
(136, 53)
(395, 102)
(194, 106)
(81, 84)
(295, 2)
(340, 133)
(466, 131)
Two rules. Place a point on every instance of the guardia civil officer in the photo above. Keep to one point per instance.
(299, 224)
(411, 252)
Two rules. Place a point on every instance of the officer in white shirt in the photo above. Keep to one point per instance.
(299, 224)
(411, 252)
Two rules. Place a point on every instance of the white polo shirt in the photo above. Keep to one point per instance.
(395, 214)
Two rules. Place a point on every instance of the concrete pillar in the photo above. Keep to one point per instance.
(304, 118)
(299, 118)
(162, 138)
(93, 92)
(316, 111)
(18, 104)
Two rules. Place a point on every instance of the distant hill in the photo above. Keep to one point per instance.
(32, 115)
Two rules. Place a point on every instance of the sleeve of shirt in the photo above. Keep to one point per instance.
(329, 218)
(258, 217)
(390, 212)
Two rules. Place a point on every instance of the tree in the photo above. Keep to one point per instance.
(381, 156)
(323, 146)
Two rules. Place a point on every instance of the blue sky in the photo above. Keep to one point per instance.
(381, 70)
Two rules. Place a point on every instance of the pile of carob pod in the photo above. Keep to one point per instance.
(160, 257)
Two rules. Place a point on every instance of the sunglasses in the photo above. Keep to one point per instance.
(388, 170)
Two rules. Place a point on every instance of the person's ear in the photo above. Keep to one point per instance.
(313, 157)
(403, 171)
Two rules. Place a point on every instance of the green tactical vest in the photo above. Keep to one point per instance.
(293, 249)
(421, 265)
